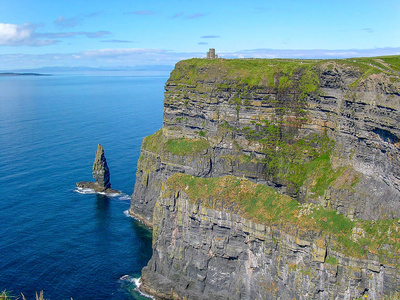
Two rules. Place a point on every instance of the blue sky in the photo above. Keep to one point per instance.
(124, 33)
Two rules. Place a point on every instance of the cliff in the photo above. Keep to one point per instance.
(323, 135)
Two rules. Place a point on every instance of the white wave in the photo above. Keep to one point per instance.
(138, 283)
(127, 278)
(126, 213)
(109, 194)
(81, 190)
(88, 191)
(124, 197)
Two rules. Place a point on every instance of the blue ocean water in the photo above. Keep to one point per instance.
(51, 237)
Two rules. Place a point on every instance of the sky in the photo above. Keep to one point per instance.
(156, 33)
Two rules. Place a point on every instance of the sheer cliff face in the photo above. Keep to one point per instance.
(323, 136)
(268, 120)
(202, 253)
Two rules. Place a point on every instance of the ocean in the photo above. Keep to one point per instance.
(53, 238)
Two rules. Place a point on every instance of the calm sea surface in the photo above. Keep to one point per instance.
(51, 237)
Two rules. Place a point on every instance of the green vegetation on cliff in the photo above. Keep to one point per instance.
(264, 205)
(386, 64)
(248, 73)
(302, 75)
(295, 161)
(157, 143)
(184, 146)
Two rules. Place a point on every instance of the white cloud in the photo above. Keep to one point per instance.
(18, 35)
(140, 56)
(121, 52)
(309, 54)
(210, 37)
(64, 22)
(90, 35)
(26, 35)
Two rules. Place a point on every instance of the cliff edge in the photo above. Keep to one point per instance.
(323, 136)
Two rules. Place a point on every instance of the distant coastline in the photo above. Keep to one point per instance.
(23, 74)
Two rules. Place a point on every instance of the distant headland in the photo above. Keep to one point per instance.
(22, 74)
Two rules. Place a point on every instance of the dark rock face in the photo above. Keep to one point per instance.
(100, 168)
(101, 173)
(362, 121)
(200, 253)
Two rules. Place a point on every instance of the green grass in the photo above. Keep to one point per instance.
(264, 205)
(184, 146)
(159, 144)
(282, 74)
(384, 63)
(246, 73)
(154, 142)
(298, 161)
(331, 260)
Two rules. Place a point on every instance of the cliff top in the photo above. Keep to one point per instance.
(265, 72)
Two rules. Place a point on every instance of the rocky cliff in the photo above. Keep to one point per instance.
(324, 134)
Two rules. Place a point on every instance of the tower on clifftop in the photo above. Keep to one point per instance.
(211, 53)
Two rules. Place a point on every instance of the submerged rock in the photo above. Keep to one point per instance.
(101, 173)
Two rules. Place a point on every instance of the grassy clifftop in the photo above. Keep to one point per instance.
(277, 72)
(157, 143)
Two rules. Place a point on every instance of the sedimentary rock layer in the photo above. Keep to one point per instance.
(203, 253)
(358, 113)
(324, 133)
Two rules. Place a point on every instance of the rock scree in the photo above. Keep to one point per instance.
(101, 173)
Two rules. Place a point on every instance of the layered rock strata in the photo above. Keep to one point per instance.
(203, 253)
(101, 173)
(359, 113)
(325, 133)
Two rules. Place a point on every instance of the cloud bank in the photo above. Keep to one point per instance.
(18, 35)
(26, 35)
(63, 22)
(116, 58)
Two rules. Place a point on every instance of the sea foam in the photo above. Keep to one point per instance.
(86, 191)
(124, 197)
(138, 283)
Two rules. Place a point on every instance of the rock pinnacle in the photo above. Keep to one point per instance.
(101, 173)
(100, 168)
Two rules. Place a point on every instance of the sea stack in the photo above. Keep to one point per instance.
(101, 173)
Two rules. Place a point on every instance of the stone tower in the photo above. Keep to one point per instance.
(211, 53)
